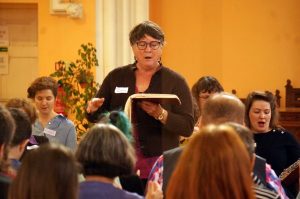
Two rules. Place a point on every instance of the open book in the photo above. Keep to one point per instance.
(157, 98)
(152, 97)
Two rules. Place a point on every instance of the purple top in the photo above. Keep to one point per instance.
(98, 190)
(33, 141)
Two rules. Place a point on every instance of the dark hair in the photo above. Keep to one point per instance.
(206, 84)
(24, 105)
(264, 96)
(50, 170)
(42, 83)
(105, 151)
(119, 120)
(246, 136)
(23, 126)
(146, 28)
(223, 107)
(7, 126)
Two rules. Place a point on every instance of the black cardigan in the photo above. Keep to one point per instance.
(154, 137)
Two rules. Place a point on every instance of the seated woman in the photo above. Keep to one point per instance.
(56, 127)
(120, 120)
(104, 154)
(214, 164)
(31, 112)
(47, 172)
(7, 126)
(131, 183)
(273, 143)
(20, 139)
(201, 90)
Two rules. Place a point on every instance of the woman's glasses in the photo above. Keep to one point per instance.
(142, 45)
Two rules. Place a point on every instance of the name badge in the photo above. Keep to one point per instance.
(49, 132)
(121, 90)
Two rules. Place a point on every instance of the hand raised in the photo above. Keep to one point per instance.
(94, 104)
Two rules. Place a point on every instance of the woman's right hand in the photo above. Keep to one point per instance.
(94, 104)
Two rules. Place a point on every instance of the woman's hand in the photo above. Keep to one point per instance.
(153, 191)
(154, 110)
(94, 104)
(151, 109)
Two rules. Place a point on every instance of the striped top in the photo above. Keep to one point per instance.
(261, 193)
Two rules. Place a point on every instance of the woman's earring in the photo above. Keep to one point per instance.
(159, 61)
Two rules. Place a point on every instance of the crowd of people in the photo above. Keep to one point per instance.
(211, 145)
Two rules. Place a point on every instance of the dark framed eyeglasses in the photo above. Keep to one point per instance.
(142, 45)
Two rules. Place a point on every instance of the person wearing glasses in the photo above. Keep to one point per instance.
(201, 90)
(156, 127)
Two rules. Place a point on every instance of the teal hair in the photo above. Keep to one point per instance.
(121, 121)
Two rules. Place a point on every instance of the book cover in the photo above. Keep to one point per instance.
(157, 98)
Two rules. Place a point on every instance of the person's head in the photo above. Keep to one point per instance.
(261, 113)
(23, 127)
(146, 40)
(105, 151)
(214, 164)
(119, 120)
(204, 87)
(222, 107)
(24, 104)
(43, 92)
(7, 126)
(49, 171)
(246, 136)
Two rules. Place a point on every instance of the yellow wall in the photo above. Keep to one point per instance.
(18, 1)
(60, 36)
(247, 45)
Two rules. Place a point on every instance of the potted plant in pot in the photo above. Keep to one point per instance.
(77, 84)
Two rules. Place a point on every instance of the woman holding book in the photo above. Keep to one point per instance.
(156, 126)
(273, 143)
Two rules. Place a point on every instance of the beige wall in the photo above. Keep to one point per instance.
(247, 45)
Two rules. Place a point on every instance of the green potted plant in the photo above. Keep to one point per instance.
(78, 84)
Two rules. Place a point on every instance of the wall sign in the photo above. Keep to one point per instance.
(4, 42)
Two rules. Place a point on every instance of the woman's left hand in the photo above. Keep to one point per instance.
(151, 109)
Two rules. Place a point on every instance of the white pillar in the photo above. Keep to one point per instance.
(114, 20)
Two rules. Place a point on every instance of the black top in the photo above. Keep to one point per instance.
(154, 138)
(4, 185)
(278, 147)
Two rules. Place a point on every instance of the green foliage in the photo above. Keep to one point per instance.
(79, 85)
